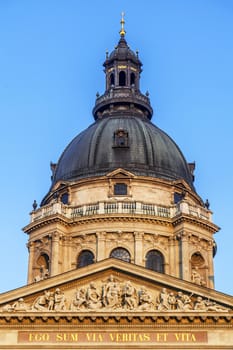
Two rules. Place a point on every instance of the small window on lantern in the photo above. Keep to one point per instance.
(65, 198)
(121, 138)
(132, 79)
(112, 80)
(120, 189)
(122, 78)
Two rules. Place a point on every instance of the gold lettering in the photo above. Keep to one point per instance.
(38, 337)
(94, 337)
(59, 337)
(74, 336)
(146, 337)
(193, 337)
(112, 337)
(161, 337)
(185, 337)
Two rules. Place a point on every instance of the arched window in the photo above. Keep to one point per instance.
(132, 79)
(43, 261)
(65, 198)
(122, 78)
(155, 261)
(120, 253)
(86, 257)
(112, 79)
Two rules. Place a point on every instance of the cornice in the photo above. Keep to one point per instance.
(148, 320)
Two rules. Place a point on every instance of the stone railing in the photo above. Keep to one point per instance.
(130, 207)
(119, 94)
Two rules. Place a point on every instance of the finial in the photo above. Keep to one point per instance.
(122, 31)
(106, 54)
(34, 205)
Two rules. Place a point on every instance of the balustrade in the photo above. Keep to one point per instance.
(133, 208)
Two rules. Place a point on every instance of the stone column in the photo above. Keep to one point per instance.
(185, 256)
(66, 248)
(101, 249)
(172, 268)
(210, 267)
(55, 253)
(31, 262)
(138, 248)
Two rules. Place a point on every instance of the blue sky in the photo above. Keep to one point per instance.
(51, 55)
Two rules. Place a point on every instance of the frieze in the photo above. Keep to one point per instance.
(113, 294)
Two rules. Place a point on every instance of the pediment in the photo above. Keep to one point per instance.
(114, 286)
(120, 174)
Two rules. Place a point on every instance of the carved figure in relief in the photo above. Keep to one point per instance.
(111, 294)
(20, 305)
(172, 301)
(145, 299)
(129, 296)
(196, 277)
(118, 296)
(59, 300)
(79, 302)
(41, 303)
(93, 297)
(163, 302)
(183, 302)
(44, 274)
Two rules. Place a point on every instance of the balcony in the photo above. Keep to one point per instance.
(117, 207)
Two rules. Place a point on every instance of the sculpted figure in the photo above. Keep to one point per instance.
(212, 306)
(163, 300)
(79, 302)
(51, 301)
(172, 301)
(41, 303)
(59, 300)
(129, 296)
(93, 297)
(20, 305)
(200, 304)
(44, 273)
(196, 277)
(145, 299)
(183, 302)
(111, 294)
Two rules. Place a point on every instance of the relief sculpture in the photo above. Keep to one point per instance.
(118, 296)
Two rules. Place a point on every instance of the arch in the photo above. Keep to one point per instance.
(121, 254)
(197, 260)
(155, 261)
(198, 269)
(132, 79)
(43, 266)
(65, 198)
(112, 79)
(86, 257)
(43, 261)
(122, 78)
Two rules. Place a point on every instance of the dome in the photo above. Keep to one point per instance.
(123, 52)
(128, 142)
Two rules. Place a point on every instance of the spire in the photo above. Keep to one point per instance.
(122, 31)
(122, 93)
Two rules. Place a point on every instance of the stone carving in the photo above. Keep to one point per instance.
(44, 274)
(115, 295)
(50, 301)
(197, 278)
